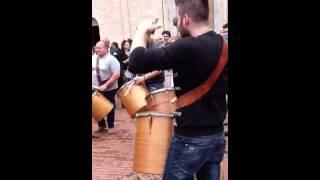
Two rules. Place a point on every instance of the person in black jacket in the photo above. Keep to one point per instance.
(198, 142)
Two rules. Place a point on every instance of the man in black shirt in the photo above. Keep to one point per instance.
(198, 143)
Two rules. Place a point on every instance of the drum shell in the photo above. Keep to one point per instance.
(152, 141)
(133, 101)
(162, 100)
(101, 106)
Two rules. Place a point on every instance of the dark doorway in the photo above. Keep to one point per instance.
(95, 32)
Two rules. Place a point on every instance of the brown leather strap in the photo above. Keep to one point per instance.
(98, 72)
(196, 93)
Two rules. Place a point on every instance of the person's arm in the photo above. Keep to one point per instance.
(115, 67)
(150, 75)
(143, 33)
(138, 58)
(125, 61)
(172, 56)
(115, 76)
(169, 57)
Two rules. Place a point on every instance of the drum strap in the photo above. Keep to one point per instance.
(98, 72)
(196, 93)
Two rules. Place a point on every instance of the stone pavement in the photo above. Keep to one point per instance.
(112, 154)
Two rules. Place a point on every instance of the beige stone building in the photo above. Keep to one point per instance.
(118, 19)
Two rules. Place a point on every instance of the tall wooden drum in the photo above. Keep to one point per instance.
(153, 138)
(162, 100)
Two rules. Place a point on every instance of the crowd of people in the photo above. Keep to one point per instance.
(110, 71)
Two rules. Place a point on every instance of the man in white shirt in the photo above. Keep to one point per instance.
(105, 75)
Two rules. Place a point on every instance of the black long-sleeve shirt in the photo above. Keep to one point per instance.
(193, 58)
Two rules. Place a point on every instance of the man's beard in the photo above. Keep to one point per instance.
(183, 31)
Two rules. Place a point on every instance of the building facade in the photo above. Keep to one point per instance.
(118, 19)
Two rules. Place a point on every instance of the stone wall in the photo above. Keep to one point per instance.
(118, 19)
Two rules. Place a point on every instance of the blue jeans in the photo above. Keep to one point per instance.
(197, 155)
(155, 86)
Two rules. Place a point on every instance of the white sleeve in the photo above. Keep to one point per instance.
(114, 65)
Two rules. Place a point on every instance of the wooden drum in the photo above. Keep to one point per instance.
(100, 106)
(162, 100)
(153, 137)
(132, 97)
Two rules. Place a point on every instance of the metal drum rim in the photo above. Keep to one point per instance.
(157, 114)
(159, 91)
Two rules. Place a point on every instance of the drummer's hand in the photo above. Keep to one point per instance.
(149, 26)
(138, 79)
(103, 87)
